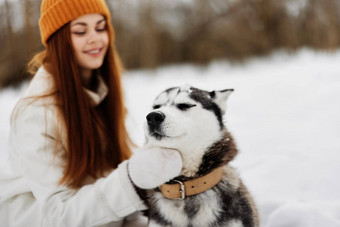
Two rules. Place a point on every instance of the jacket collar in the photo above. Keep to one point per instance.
(96, 96)
(99, 94)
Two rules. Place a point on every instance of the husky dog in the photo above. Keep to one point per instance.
(208, 192)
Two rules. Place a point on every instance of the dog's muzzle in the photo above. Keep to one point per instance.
(154, 120)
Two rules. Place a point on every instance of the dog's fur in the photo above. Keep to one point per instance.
(190, 120)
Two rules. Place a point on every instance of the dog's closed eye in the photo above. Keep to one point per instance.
(156, 107)
(184, 106)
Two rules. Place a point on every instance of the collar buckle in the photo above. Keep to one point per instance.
(182, 189)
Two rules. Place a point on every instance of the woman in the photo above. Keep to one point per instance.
(69, 148)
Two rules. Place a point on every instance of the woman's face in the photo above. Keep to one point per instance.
(90, 40)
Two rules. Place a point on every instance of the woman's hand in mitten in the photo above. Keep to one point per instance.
(150, 167)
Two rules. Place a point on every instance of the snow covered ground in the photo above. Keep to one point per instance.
(284, 115)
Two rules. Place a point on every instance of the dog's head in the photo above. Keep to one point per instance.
(189, 120)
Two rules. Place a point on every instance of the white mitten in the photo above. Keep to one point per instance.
(149, 167)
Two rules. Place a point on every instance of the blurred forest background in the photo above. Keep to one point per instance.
(151, 33)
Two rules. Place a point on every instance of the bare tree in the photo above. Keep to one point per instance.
(9, 30)
(151, 33)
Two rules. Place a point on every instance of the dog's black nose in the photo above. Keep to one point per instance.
(155, 118)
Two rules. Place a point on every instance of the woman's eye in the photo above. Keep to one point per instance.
(79, 33)
(100, 29)
(185, 106)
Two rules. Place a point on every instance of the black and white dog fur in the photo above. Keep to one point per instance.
(190, 120)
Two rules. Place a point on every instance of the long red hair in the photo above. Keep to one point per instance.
(97, 139)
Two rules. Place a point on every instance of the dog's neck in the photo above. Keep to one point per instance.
(217, 155)
(209, 172)
(181, 190)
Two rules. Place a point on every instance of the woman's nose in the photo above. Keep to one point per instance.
(93, 37)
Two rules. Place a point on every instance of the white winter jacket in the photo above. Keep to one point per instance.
(29, 191)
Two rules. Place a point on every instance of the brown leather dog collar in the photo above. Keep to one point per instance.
(192, 187)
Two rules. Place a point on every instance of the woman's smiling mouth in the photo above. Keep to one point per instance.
(94, 52)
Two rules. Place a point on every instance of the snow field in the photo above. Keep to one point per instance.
(284, 115)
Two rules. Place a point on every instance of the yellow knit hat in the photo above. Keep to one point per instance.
(57, 13)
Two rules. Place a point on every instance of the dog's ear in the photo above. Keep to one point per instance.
(220, 98)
